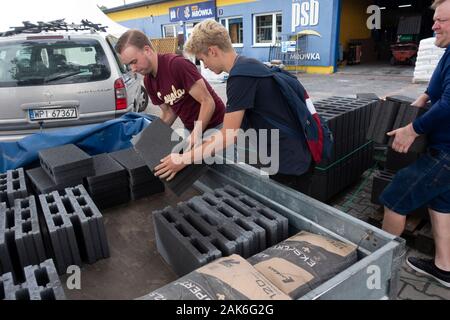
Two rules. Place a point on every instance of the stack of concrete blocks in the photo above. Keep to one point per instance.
(394, 113)
(156, 142)
(108, 186)
(142, 182)
(13, 186)
(21, 239)
(75, 228)
(41, 282)
(428, 58)
(215, 225)
(348, 120)
(61, 167)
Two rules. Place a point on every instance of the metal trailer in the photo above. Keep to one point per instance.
(380, 254)
(135, 267)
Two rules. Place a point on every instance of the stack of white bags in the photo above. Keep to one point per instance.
(427, 60)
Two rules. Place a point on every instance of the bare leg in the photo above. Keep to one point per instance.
(393, 222)
(441, 234)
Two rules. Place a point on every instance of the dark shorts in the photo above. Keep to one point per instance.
(424, 183)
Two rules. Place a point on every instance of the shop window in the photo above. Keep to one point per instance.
(267, 29)
(235, 28)
(169, 31)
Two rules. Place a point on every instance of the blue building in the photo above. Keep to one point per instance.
(309, 35)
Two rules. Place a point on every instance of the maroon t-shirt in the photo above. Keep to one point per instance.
(174, 79)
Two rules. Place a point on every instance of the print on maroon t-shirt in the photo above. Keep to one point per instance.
(176, 75)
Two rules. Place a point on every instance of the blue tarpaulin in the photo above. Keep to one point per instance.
(109, 136)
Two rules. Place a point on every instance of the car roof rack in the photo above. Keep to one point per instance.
(55, 25)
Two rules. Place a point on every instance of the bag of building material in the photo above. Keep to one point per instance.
(303, 262)
(229, 278)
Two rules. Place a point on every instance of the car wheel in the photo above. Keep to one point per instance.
(143, 100)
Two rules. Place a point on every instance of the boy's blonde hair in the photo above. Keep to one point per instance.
(206, 34)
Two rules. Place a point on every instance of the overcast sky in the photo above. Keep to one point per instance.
(114, 3)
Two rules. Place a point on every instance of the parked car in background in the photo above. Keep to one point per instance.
(63, 78)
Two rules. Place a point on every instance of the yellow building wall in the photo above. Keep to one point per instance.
(160, 9)
(353, 21)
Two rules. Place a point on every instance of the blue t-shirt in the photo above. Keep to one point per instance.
(261, 98)
(436, 121)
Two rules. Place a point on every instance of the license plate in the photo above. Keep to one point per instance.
(52, 114)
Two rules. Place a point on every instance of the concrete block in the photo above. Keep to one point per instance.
(396, 161)
(43, 283)
(106, 170)
(230, 237)
(381, 180)
(65, 163)
(407, 115)
(43, 184)
(157, 141)
(210, 204)
(180, 244)
(61, 230)
(16, 186)
(6, 223)
(138, 172)
(245, 204)
(28, 235)
(91, 221)
(3, 192)
(367, 96)
(7, 287)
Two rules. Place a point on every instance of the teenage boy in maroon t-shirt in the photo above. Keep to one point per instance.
(174, 84)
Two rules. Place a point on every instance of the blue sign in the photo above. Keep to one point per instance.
(196, 11)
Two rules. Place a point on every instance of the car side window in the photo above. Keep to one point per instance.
(112, 41)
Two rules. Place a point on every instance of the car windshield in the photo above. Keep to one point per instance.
(40, 62)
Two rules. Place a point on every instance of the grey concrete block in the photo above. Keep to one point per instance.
(180, 244)
(147, 189)
(91, 220)
(61, 230)
(396, 161)
(3, 193)
(230, 237)
(106, 170)
(43, 283)
(383, 119)
(138, 172)
(367, 96)
(42, 183)
(5, 225)
(7, 287)
(246, 231)
(264, 216)
(65, 163)
(400, 99)
(28, 235)
(157, 141)
(407, 114)
(16, 186)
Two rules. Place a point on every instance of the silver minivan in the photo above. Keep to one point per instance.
(63, 79)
